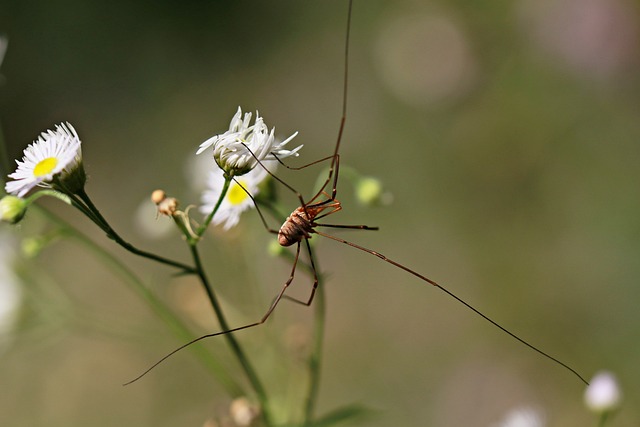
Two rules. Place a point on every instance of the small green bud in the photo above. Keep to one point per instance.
(275, 249)
(369, 191)
(31, 247)
(12, 209)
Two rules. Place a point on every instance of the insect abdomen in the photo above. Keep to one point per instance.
(295, 228)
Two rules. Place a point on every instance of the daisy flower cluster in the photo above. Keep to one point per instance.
(237, 152)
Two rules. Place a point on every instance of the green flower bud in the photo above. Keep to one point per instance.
(12, 209)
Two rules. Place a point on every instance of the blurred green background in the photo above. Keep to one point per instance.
(507, 131)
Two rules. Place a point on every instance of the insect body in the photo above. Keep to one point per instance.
(300, 224)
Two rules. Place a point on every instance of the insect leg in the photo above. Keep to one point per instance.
(264, 221)
(460, 300)
(315, 279)
(264, 318)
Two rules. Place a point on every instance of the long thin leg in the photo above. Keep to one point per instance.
(315, 279)
(355, 227)
(343, 119)
(335, 157)
(264, 221)
(426, 279)
(297, 168)
(296, 192)
(264, 318)
(334, 190)
(274, 176)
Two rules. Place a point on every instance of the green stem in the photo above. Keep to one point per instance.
(51, 193)
(233, 343)
(315, 358)
(603, 418)
(231, 340)
(97, 217)
(227, 181)
(158, 307)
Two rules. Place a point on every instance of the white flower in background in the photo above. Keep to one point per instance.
(236, 200)
(603, 393)
(231, 149)
(10, 292)
(522, 417)
(53, 160)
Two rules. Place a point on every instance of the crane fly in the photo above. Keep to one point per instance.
(302, 223)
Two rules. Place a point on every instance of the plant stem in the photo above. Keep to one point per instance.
(111, 233)
(315, 358)
(158, 307)
(233, 343)
(217, 308)
(603, 418)
(227, 181)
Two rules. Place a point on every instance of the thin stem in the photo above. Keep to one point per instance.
(97, 217)
(77, 203)
(231, 340)
(315, 357)
(603, 419)
(217, 308)
(227, 181)
(158, 307)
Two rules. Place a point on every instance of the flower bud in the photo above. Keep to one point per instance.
(158, 196)
(12, 209)
(243, 413)
(369, 192)
(166, 205)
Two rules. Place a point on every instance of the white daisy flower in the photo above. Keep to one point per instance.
(236, 200)
(53, 160)
(230, 148)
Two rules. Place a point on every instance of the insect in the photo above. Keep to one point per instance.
(303, 223)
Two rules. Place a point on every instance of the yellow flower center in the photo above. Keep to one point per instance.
(236, 194)
(44, 167)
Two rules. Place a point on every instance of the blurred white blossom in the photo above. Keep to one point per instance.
(522, 417)
(236, 200)
(10, 291)
(603, 393)
(149, 223)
